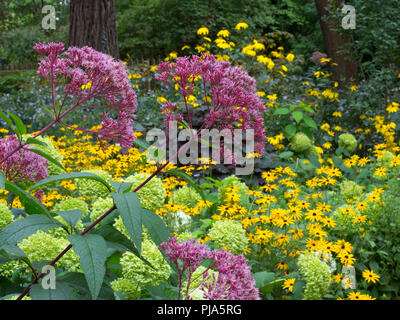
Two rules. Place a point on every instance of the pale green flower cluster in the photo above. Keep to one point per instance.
(316, 274)
(386, 159)
(195, 292)
(227, 184)
(6, 216)
(301, 142)
(344, 220)
(136, 274)
(349, 189)
(186, 196)
(99, 207)
(347, 142)
(152, 194)
(93, 188)
(185, 236)
(43, 246)
(72, 204)
(229, 235)
(7, 269)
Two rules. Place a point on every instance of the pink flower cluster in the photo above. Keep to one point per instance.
(23, 165)
(234, 280)
(86, 75)
(233, 93)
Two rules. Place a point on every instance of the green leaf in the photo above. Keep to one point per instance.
(130, 210)
(68, 176)
(281, 111)
(71, 216)
(19, 229)
(263, 277)
(21, 129)
(285, 155)
(290, 130)
(142, 144)
(2, 181)
(92, 251)
(156, 226)
(188, 179)
(62, 292)
(298, 289)
(310, 122)
(47, 157)
(121, 187)
(30, 203)
(297, 115)
(7, 120)
(31, 141)
(116, 239)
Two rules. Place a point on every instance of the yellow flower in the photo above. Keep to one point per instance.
(203, 31)
(370, 276)
(290, 57)
(288, 284)
(241, 25)
(223, 33)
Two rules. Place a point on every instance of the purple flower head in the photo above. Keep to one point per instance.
(23, 165)
(234, 99)
(233, 280)
(86, 75)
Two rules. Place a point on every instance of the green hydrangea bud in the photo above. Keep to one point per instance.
(349, 189)
(99, 207)
(43, 246)
(152, 194)
(186, 196)
(7, 269)
(229, 235)
(138, 274)
(301, 142)
(93, 188)
(386, 159)
(72, 204)
(195, 292)
(316, 274)
(129, 288)
(347, 142)
(6, 216)
(227, 184)
(185, 236)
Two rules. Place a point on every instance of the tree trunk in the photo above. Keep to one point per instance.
(346, 70)
(93, 24)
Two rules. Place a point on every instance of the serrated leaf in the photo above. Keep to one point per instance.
(71, 216)
(30, 203)
(130, 210)
(156, 226)
(297, 115)
(310, 122)
(18, 230)
(62, 292)
(92, 251)
(47, 157)
(73, 175)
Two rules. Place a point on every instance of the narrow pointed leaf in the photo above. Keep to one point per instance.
(92, 251)
(19, 229)
(71, 216)
(30, 203)
(47, 157)
(130, 210)
(2, 181)
(156, 226)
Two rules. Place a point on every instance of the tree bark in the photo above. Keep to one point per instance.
(93, 23)
(346, 70)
